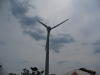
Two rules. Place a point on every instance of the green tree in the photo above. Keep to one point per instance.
(26, 72)
(88, 71)
(12, 74)
(34, 71)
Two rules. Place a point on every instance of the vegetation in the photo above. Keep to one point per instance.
(12, 74)
(88, 71)
(34, 71)
(27, 72)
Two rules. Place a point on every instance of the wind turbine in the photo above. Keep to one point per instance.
(47, 44)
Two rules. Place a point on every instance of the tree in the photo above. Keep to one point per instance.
(12, 74)
(88, 71)
(26, 72)
(34, 71)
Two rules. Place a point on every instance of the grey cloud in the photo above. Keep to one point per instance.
(25, 61)
(2, 2)
(97, 43)
(2, 43)
(97, 50)
(97, 46)
(29, 21)
(36, 35)
(85, 44)
(61, 62)
(59, 41)
(56, 43)
(98, 3)
(19, 10)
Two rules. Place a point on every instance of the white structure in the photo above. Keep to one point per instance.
(77, 72)
(2, 72)
(47, 44)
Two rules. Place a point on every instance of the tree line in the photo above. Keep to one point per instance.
(35, 71)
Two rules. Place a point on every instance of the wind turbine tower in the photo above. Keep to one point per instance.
(47, 44)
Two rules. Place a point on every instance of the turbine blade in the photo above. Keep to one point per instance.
(59, 24)
(42, 23)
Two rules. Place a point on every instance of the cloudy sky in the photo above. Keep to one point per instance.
(74, 44)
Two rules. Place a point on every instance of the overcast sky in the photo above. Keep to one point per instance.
(74, 44)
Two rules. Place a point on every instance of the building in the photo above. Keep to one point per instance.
(77, 72)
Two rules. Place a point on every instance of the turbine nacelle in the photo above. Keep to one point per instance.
(49, 28)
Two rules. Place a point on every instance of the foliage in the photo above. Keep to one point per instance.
(34, 71)
(88, 71)
(26, 72)
(12, 74)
